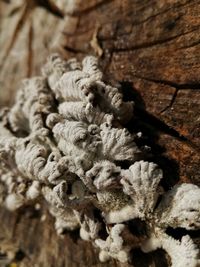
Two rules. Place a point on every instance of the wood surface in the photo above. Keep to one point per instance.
(151, 47)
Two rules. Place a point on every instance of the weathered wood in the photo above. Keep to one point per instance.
(153, 49)
(27, 30)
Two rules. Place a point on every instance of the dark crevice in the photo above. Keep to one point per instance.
(7, 125)
(171, 175)
(171, 102)
(158, 201)
(51, 7)
(74, 235)
(20, 255)
(156, 258)
(29, 212)
(30, 50)
(3, 255)
(103, 234)
(137, 227)
(73, 50)
(179, 232)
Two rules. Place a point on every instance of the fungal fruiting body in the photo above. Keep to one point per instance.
(64, 140)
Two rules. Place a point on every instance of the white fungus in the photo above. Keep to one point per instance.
(64, 140)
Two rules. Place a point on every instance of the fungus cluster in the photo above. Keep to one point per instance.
(64, 140)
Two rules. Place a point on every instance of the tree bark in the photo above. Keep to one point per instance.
(153, 49)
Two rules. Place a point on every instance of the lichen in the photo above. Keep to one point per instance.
(64, 140)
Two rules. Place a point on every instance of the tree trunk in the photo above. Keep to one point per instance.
(153, 49)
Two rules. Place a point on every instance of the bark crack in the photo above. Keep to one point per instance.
(153, 43)
(90, 8)
(51, 7)
(160, 126)
(179, 86)
(22, 19)
(190, 45)
(187, 3)
(171, 102)
(30, 50)
(73, 49)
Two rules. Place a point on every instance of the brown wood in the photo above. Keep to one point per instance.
(152, 47)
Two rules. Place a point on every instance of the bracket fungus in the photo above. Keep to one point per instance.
(64, 140)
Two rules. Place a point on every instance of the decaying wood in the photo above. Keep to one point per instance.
(151, 48)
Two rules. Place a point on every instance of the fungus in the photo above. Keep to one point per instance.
(183, 253)
(114, 246)
(64, 141)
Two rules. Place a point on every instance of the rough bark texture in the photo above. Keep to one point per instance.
(153, 49)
